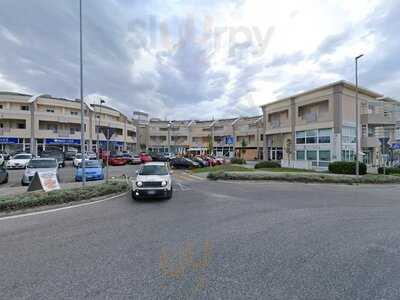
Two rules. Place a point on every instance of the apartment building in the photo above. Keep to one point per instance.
(227, 137)
(313, 128)
(30, 124)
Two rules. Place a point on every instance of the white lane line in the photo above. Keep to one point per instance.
(59, 209)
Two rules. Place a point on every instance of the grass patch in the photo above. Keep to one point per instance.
(33, 199)
(223, 168)
(305, 178)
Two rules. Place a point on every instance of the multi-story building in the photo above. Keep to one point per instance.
(315, 127)
(226, 137)
(34, 124)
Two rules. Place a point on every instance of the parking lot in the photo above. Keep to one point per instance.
(66, 174)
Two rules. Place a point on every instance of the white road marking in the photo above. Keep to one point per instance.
(59, 209)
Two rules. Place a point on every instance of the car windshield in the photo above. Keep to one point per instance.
(42, 163)
(154, 170)
(91, 164)
(22, 156)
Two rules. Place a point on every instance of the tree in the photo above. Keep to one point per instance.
(143, 147)
(210, 144)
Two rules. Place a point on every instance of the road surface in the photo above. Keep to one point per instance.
(213, 240)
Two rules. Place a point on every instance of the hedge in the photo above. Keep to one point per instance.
(268, 164)
(33, 199)
(305, 178)
(347, 167)
(238, 161)
(389, 171)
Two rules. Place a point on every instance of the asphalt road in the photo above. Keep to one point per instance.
(67, 174)
(213, 240)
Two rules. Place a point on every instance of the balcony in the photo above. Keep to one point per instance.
(378, 118)
(14, 132)
(276, 124)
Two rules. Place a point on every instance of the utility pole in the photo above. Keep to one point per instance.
(98, 131)
(82, 106)
(357, 119)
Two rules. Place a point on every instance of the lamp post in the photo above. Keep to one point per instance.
(357, 119)
(81, 90)
(98, 130)
(32, 101)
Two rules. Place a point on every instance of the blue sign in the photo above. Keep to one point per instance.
(62, 142)
(114, 143)
(229, 140)
(396, 146)
(8, 140)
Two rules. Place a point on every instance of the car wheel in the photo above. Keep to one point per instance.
(170, 193)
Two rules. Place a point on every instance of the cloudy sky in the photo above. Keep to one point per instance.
(197, 58)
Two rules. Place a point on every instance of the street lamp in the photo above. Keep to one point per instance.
(82, 106)
(357, 119)
(31, 103)
(98, 130)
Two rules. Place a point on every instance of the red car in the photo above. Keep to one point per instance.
(144, 157)
(211, 161)
(117, 160)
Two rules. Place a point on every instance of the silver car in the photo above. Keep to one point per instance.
(39, 165)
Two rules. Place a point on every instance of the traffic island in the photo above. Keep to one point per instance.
(305, 178)
(35, 199)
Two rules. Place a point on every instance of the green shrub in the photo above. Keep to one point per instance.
(305, 178)
(268, 164)
(34, 199)
(238, 161)
(389, 171)
(347, 167)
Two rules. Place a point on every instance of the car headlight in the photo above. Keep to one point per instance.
(164, 183)
(139, 183)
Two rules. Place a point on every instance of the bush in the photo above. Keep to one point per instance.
(305, 178)
(347, 167)
(238, 161)
(389, 171)
(34, 199)
(268, 165)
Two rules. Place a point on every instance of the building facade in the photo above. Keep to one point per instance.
(49, 122)
(240, 137)
(313, 128)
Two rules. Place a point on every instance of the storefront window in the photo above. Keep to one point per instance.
(324, 158)
(349, 135)
(300, 155)
(311, 155)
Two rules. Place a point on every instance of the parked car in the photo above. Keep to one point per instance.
(39, 165)
(136, 160)
(203, 163)
(220, 160)
(211, 161)
(92, 155)
(117, 160)
(158, 157)
(59, 156)
(19, 161)
(153, 180)
(78, 159)
(145, 158)
(6, 155)
(1, 159)
(183, 163)
(3, 175)
(70, 154)
(169, 156)
(94, 170)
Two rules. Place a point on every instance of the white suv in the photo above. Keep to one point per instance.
(153, 180)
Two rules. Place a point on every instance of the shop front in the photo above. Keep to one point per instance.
(14, 144)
